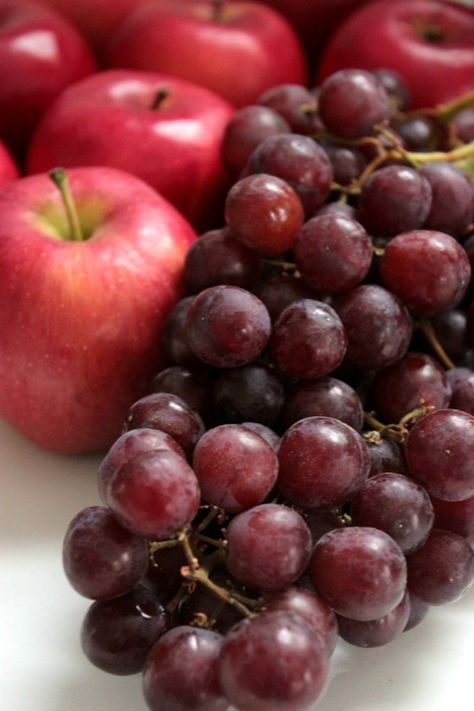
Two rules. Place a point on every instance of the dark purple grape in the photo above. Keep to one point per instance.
(181, 672)
(352, 102)
(418, 133)
(280, 291)
(101, 559)
(217, 258)
(246, 129)
(464, 125)
(337, 208)
(174, 336)
(154, 495)
(323, 463)
(375, 633)
(429, 271)
(440, 454)
(170, 414)
(268, 547)
(453, 195)
(251, 393)
(395, 87)
(297, 105)
(264, 213)
(360, 572)
(397, 505)
(301, 162)
(418, 611)
(443, 569)
(311, 608)
(462, 383)
(308, 340)
(347, 163)
(321, 522)
(455, 516)
(235, 467)
(127, 446)
(163, 576)
(118, 634)
(266, 433)
(274, 661)
(377, 325)
(416, 379)
(385, 456)
(327, 397)
(189, 384)
(333, 253)
(450, 330)
(228, 326)
(469, 249)
(394, 199)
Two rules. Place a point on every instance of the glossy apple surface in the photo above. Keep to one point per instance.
(80, 320)
(40, 54)
(8, 168)
(236, 49)
(111, 119)
(95, 19)
(430, 43)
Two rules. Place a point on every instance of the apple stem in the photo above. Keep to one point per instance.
(159, 98)
(217, 7)
(59, 178)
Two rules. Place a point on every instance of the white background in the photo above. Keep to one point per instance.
(41, 664)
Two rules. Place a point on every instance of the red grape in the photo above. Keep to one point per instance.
(274, 661)
(268, 547)
(323, 463)
(359, 571)
(235, 467)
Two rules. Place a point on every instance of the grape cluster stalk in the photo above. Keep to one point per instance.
(303, 468)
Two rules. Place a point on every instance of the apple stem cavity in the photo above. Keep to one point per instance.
(217, 7)
(159, 98)
(60, 179)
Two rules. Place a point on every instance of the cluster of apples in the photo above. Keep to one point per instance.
(82, 306)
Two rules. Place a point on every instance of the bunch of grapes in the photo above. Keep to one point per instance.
(304, 466)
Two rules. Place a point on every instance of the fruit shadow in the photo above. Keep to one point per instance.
(41, 490)
(399, 675)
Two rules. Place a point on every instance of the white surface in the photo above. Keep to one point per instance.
(42, 667)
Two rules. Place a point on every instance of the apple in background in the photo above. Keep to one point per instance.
(314, 20)
(81, 318)
(165, 131)
(429, 43)
(40, 54)
(95, 19)
(237, 49)
(8, 168)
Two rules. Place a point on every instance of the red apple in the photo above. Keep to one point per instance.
(429, 43)
(95, 19)
(236, 49)
(81, 318)
(40, 54)
(314, 21)
(120, 119)
(8, 169)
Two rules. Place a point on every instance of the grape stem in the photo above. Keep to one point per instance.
(214, 512)
(457, 154)
(193, 572)
(212, 541)
(427, 328)
(201, 576)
